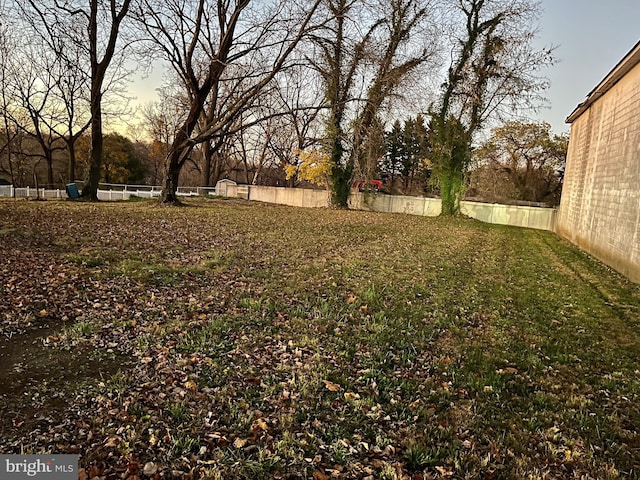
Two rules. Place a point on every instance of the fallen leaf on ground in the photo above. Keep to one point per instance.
(260, 424)
(444, 472)
(150, 468)
(318, 475)
(332, 387)
(112, 441)
(349, 396)
(239, 442)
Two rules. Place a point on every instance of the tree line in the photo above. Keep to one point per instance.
(272, 82)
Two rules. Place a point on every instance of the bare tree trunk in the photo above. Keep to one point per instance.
(181, 148)
(91, 187)
(98, 73)
(246, 170)
(207, 155)
(71, 166)
(262, 159)
(217, 168)
(256, 174)
(170, 186)
(49, 159)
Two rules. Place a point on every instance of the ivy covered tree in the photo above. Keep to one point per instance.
(451, 154)
(364, 54)
(492, 74)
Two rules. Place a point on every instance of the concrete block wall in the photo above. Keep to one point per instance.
(519, 216)
(295, 197)
(529, 217)
(427, 207)
(600, 206)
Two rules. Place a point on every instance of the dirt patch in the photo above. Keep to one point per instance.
(38, 380)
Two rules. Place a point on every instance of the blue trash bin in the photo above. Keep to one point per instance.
(72, 191)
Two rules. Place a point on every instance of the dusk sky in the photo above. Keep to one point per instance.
(592, 36)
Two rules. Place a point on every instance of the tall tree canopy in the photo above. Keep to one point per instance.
(406, 150)
(225, 53)
(524, 161)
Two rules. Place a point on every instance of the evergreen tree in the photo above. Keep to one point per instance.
(407, 148)
(394, 140)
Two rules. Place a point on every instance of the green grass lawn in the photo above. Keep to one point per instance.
(229, 339)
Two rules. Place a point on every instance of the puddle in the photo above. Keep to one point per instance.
(38, 381)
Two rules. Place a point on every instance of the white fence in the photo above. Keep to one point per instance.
(109, 192)
(30, 192)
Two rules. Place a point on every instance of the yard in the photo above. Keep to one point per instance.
(227, 339)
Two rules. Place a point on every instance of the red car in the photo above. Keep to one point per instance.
(362, 185)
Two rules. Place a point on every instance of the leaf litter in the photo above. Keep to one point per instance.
(237, 340)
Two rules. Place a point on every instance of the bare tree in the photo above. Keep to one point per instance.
(9, 133)
(163, 119)
(100, 57)
(217, 103)
(255, 152)
(200, 39)
(54, 96)
(72, 93)
(300, 99)
(31, 78)
(277, 126)
(98, 29)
